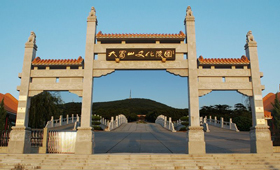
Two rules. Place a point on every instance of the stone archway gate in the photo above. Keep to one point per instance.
(141, 51)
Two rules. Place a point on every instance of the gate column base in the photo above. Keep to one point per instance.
(260, 139)
(195, 140)
(84, 141)
(19, 140)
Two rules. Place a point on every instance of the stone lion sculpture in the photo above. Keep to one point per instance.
(32, 37)
(249, 36)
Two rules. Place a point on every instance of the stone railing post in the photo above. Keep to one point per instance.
(117, 121)
(43, 149)
(230, 122)
(169, 124)
(222, 122)
(215, 121)
(60, 120)
(112, 123)
(108, 123)
(164, 122)
(77, 118)
(67, 119)
(52, 121)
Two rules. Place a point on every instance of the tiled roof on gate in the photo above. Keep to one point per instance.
(101, 35)
(223, 61)
(51, 62)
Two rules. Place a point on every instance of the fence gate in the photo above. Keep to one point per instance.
(61, 142)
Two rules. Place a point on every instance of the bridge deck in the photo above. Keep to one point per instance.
(152, 138)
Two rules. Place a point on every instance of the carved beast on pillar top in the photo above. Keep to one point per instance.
(249, 37)
(92, 12)
(32, 37)
(189, 11)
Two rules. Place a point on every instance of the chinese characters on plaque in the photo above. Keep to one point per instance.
(140, 54)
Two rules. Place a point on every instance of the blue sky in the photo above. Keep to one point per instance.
(60, 26)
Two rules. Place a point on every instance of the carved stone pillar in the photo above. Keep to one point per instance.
(195, 134)
(260, 134)
(85, 135)
(20, 135)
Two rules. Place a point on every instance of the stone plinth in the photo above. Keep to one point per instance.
(19, 140)
(84, 141)
(261, 140)
(195, 140)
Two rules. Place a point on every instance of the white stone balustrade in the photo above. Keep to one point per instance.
(162, 120)
(114, 123)
(220, 123)
(62, 121)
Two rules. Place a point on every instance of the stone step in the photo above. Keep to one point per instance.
(134, 161)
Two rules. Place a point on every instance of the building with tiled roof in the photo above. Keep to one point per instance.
(10, 105)
(267, 100)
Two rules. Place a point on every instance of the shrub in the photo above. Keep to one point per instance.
(183, 129)
(97, 128)
(95, 118)
(184, 118)
(96, 123)
(185, 123)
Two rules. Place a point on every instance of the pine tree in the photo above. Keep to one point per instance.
(276, 112)
(3, 115)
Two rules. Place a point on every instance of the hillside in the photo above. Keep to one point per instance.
(130, 108)
(136, 104)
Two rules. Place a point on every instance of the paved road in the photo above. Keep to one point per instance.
(152, 138)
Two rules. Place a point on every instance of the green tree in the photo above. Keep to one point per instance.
(276, 112)
(3, 115)
(239, 107)
(43, 106)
